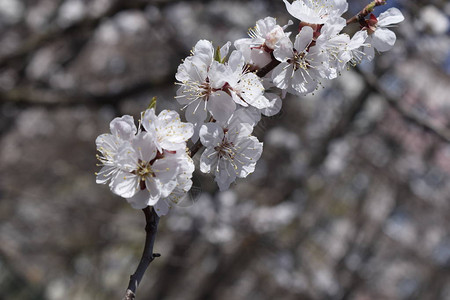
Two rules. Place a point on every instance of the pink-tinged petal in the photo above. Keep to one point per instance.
(391, 16)
(123, 127)
(281, 75)
(266, 25)
(211, 134)
(125, 184)
(140, 200)
(208, 160)
(383, 39)
(275, 105)
(303, 38)
(144, 146)
(221, 106)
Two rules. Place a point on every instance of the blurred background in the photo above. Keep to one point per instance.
(350, 199)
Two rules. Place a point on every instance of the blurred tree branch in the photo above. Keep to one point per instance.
(31, 96)
(55, 33)
(372, 82)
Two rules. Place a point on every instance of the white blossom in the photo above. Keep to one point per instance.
(332, 46)
(299, 70)
(230, 152)
(109, 145)
(245, 88)
(316, 11)
(148, 165)
(145, 175)
(201, 81)
(353, 54)
(380, 37)
(263, 39)
(171, 133)
(181, 190)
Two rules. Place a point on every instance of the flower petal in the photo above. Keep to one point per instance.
(221, 106)
(196, 111)
(144, 145)
(225, 174)
(284, 50)
(281, 75)
(303, 38)
(204, 50)
(275, 105)
(251, 90)
(140, 200)
(391, 16)
(161, 208)
(383, 39)
(106, 173)
(165, 169)
(125, 184)
(211, 134)
(208, 160)
(123, 127)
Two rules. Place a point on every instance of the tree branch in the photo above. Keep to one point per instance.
(151, 227)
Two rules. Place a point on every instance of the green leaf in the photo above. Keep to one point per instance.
(152, 104)
(217, 55)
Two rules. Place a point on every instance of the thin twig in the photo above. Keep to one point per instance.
(148, 256)
(365, 11)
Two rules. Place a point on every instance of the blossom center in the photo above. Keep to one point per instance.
(226, 149)
(299, 61)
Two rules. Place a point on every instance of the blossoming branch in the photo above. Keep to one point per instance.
(223, 94)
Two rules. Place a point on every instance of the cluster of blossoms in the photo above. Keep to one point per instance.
(224, 93)
(148, 165)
